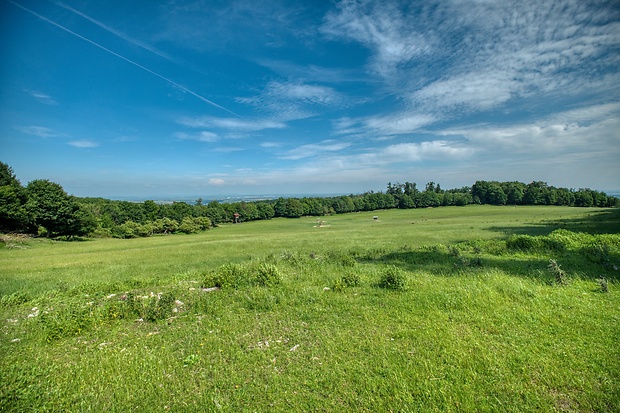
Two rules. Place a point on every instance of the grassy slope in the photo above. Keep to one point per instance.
(494, 338)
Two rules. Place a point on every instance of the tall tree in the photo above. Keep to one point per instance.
(13, 214)
(54, 210)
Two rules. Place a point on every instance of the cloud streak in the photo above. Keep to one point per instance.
(42, 97)
(118, 33)
(172, 82)
(41, 132)
(83, 144)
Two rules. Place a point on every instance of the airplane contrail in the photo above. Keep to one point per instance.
(117, 33)
(172, 82)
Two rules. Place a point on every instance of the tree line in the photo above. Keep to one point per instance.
(43, 207)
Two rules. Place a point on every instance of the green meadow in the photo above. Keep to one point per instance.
(452, 309)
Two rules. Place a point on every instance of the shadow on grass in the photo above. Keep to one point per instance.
(595, 222)
(451, 262)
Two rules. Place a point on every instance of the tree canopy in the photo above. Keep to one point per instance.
(43, 207)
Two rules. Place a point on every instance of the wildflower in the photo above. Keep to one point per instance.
(35, 313)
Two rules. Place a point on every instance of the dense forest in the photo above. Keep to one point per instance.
(44, 208)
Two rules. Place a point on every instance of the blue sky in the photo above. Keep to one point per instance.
(201, 97)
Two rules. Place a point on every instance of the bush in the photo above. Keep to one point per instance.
(153, 307)
(18, 297)
(393, 278)
(347, 280)
(66, 321)
(238, 275)
(527, 243)
(351, 280)
(268, 275)
(229, 275)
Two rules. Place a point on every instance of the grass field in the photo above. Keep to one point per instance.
(477, 319)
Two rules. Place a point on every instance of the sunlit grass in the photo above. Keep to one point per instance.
(478, 327)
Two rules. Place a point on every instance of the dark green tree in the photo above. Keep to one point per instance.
(58, 213)
(13, 213)
(536, 193)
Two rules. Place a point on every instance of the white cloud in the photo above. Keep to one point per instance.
(203, 136)
(217, 182)
(83, 143)
(42, 97)
(41, 131)
(234, 124)
(424, 151)
(287, 101)
(381, 125)
(381, 27)
(584, 133)
(311, 150)
(459, 55)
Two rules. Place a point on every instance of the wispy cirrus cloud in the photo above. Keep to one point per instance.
(383, 126)
(292, 100)
(453, 56)
(383, 28)
(428, 150)
(203, 136)
(231, 124)
(42, 97)
(312, 150)
(585, 132)
(83, 143)
(41, 132)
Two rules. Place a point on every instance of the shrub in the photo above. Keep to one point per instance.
(18, 297)
(527, 243)
(153, 307)
(238, 275)
(268, 275)
(523, 243)
(229, 275)
(347, 280)
(65, 321)
(158, 307)
(339, 285)
(351, 279)
(393, 278)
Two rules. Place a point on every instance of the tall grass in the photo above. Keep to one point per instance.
(300, 319)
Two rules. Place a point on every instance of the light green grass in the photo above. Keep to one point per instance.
(498, 336)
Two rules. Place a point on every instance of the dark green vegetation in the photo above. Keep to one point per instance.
(478, 308)
(44, 208)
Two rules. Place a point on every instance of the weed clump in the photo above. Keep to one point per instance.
(268, 275)
(16, 298)
(240, 275)
(558, 273)
(393, 278)
(347, 280)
